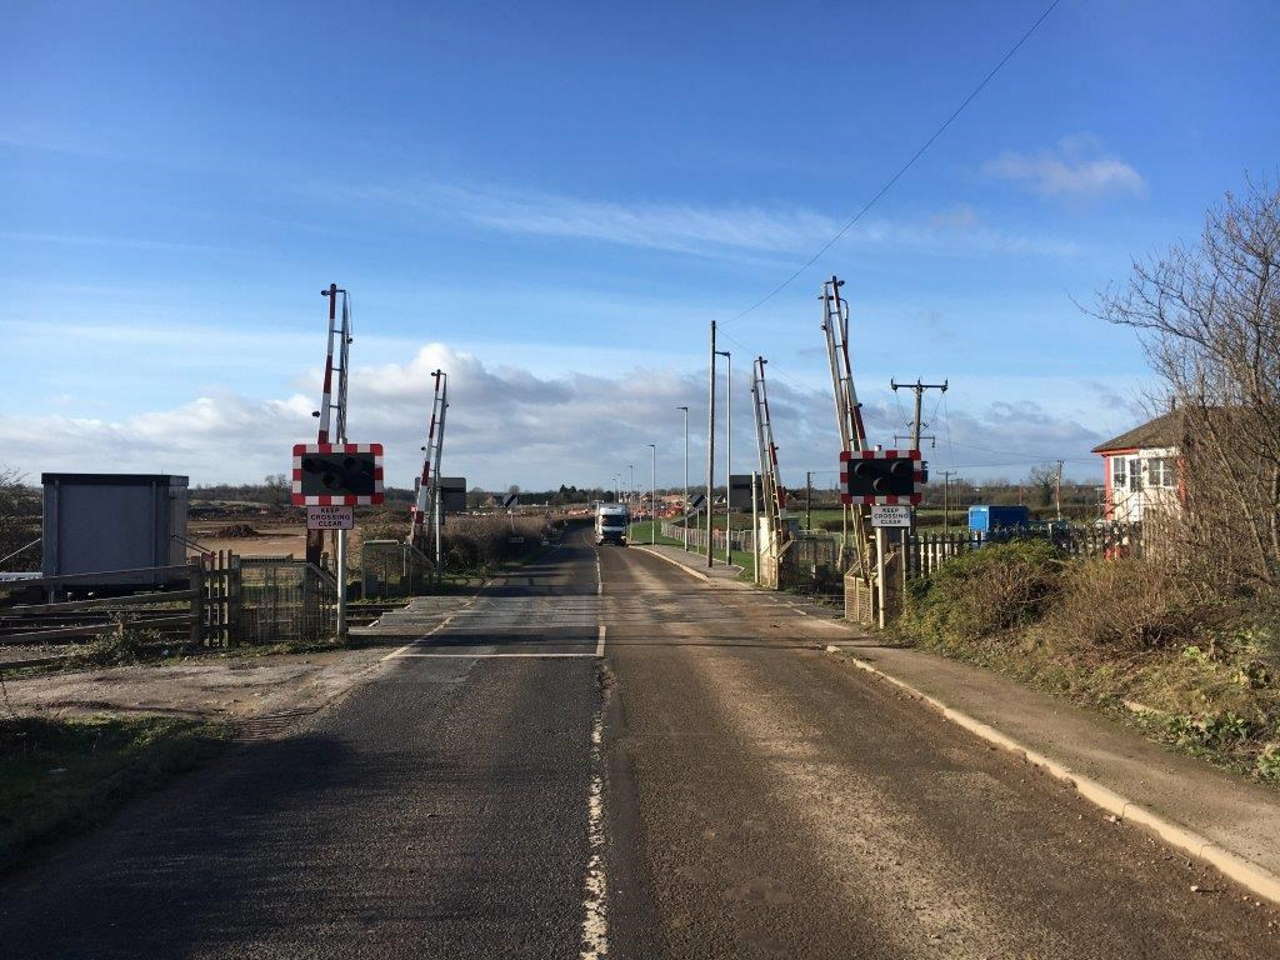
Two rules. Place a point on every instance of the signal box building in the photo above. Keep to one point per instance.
(1140, 469)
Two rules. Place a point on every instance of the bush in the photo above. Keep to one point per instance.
(117, 647)
(1127, 605)
(985, 592)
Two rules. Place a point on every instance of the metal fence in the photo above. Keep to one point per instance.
(284, 601)
(393, 568)
(741, 540)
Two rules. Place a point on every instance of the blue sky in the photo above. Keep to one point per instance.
(553, 200)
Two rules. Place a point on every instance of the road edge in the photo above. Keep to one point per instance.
(735, 583)
(1258, 880)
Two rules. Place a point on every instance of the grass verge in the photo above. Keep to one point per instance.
(59, 777)
(640, 536)
(1123, 636)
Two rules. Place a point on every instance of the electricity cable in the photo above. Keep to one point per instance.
(849, 224)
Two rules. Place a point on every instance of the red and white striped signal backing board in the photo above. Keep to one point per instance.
(917, 476)
(356, 483)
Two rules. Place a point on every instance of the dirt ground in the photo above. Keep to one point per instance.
(273, 538)
(257, 693)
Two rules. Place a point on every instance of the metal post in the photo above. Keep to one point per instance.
(685, 506)
(1057, 493)
(728, 449)
(755, 528)
(808, 500)
(653, 495)
(880, 574)
(711, 436)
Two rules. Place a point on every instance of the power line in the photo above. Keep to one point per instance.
(901, 170)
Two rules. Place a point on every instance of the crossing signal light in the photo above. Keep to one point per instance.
(882, 476)
(337, 473)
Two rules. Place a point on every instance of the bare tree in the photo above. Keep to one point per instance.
(1209, 318)
(279, 489)
(19, 521)
(1043, 480)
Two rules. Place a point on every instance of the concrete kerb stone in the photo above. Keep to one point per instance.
(1258, 880)
(693, 571)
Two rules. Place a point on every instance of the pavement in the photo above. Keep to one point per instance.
(694, 564)
(602, 756)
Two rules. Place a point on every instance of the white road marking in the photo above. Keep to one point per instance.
(595, 925)
(599, 576)
(436, 629)
(600, 642)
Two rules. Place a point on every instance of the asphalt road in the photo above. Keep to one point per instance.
(699, 781)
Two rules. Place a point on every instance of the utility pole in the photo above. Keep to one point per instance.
(1057, 492)
(728, 448)
(946, 501)
(685, 505)
(919, 389)
(653, 494)
(711, 435)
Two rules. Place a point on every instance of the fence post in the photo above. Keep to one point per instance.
(197, 601)
(235, 630)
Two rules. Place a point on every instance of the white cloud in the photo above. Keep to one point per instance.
(737, 231)
(508, 424)
(1075, 168)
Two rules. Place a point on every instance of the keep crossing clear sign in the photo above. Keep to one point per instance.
(890, 515)
(331, 518)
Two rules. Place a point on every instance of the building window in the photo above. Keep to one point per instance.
(1161, 473)
(1119, 479)
(1135, 474)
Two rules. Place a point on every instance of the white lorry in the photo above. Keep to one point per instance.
(612, 520)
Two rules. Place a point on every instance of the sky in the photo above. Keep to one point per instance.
(551, 202)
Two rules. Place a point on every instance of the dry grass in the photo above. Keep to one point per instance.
(1129, 636)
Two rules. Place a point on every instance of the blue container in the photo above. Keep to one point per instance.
(989, 518)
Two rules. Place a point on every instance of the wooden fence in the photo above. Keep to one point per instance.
(926, 552)
(228, 600)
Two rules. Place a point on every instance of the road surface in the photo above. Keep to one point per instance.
(696, 779)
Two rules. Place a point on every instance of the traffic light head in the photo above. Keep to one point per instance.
(881, 476)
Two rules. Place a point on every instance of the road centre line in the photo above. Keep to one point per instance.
(600, 642)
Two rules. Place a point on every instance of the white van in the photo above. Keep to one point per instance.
(612, 520)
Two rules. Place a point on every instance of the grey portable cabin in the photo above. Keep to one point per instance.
(99, 522)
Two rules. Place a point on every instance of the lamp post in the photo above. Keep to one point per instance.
(653, 495)
(686, 477)
(728, 447)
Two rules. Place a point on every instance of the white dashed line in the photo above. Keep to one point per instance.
(600, 642)
(595, 925)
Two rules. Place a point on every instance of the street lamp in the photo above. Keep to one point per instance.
(686, 477)
(653, 495)
(728, 447)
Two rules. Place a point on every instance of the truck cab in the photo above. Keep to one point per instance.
(612, 521)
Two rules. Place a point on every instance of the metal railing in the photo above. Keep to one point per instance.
(393, 568)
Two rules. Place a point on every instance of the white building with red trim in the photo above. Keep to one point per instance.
(1140, 469)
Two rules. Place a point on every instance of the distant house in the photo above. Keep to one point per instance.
(1141, 468)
